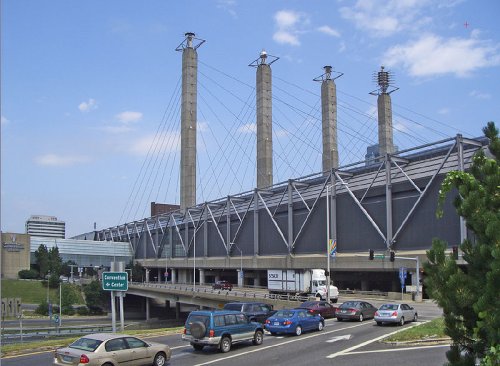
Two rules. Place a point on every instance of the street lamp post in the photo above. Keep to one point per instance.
(241, 263)
(328, 243)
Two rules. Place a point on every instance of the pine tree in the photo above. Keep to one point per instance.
(470, 295)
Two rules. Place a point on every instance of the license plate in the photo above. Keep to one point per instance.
(67, 358)
(344, 311)
(276, 323)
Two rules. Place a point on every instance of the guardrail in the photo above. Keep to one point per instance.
(235, 292)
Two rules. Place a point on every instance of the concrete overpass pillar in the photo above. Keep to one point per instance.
(217, 277)
(174, 275)
(167, 305)
(177, 310)
(256, 280)
(147, 308)
(365, 286)
(202, 276)
(147, 274)
(240, 278)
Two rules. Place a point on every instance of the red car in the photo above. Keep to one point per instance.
(222, 285)
(325, 309)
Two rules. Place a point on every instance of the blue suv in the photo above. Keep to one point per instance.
(220, 328)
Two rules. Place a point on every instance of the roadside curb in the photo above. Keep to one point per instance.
(420, 342)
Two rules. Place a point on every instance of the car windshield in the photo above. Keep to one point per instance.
(284, 314)
(389, 307)
(307, 304)
(349, 304)
(236, 307)
(86, 344)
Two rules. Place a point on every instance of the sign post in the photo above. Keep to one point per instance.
(115, 281)
(402, 278)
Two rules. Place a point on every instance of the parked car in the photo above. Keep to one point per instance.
(395, 313)
(323, 308)
(220, 328)
(112, 349)
(355, 310)
(222, 285)
(294, 321)
(255, 311)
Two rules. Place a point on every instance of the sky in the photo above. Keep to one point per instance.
(90, 93)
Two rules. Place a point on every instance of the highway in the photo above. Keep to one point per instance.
(340, 343)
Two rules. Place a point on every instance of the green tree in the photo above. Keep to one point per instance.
(469, 295)
(137, 271)
(55, 261)
(42, 260)
(95, 297)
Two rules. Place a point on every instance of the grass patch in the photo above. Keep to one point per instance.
(428, 331)
(51, 344)
(33, 291)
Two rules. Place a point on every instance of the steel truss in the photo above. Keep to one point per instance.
(356, 180)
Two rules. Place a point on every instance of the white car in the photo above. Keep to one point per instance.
(395, 313)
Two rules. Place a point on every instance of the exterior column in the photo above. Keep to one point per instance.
(147, 308)
(385, 139)
(202, 276)
(174, 275)
(329, 122)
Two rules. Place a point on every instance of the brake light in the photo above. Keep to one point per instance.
(352, 310)
(395, 313)
(377, 314)
(267, 321)
(211, 333)
(84, 359)
(287, 322)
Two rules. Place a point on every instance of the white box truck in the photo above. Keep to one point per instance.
(303, 282)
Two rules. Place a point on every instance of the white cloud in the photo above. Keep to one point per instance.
(88, 106)
(382, 19)
(60, 160)
(290, 24)
(116, 129)
(432, 55)
(342, 47)
(168, 142)
(248, 128)
(479, 95)
(228, 5)
(129, 117)
(5, 121)
(329, 31)
(444, 111)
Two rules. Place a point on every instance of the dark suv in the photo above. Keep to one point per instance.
(220, 328)
(256, 311)
(223, 285)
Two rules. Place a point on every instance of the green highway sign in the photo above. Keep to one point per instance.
(381, 256)
(115, 281)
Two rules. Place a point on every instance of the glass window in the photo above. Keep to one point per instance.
(199, 318)
(86, 344)
(117, 344)
(236, 307)
(389, 307)
(219, 321)
(135, 343)
(302, 314)
(230, 319)
(241, 319)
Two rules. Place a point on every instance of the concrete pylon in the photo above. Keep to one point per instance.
(264, 120)
(329, 120)
(385, 131)
(188, 119)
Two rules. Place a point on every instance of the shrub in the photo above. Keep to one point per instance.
(27, 274)
(82, 310)
(68, 310)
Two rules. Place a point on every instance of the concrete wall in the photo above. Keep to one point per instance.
(15, 254)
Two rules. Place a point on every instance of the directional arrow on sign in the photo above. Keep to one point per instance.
(339, 338)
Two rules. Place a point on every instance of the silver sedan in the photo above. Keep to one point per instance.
(395, 313)
(112, 349)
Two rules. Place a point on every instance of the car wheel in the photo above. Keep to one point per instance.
(402, 321)
(298, 330)
(160, 359)
(225, 344)
(198, 330)
(321, 326)
(335, 301)
(415, 317)
(379, 323)
(197, 347)
(360, 318)
(258, 337)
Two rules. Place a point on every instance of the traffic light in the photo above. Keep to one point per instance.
(393, 255)
(371, 254)
(455, 252)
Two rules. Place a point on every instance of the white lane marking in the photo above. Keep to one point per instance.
(279, 344)
(333, 355)
(395, 349)
(339, 338)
